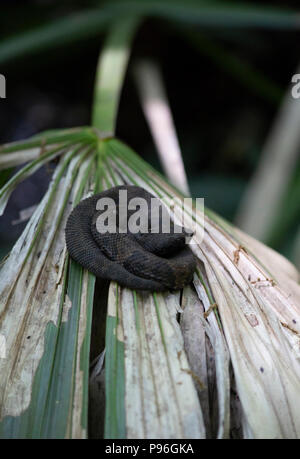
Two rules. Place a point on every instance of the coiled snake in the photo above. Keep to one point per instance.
(142, 261)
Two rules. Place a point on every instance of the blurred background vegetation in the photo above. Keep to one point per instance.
(226, 72)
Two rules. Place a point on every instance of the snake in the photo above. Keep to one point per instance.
(151, 260)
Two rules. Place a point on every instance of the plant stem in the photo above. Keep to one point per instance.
(110, 75)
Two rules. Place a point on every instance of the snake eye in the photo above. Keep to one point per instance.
(187, 232)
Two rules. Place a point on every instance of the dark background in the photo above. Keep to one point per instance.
(222, 119)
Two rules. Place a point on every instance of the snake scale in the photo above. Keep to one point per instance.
(142, 261)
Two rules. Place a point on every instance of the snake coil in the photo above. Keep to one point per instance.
(142, 261)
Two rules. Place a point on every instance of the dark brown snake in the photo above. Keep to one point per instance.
(142, 261)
